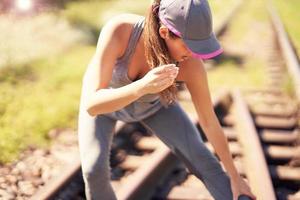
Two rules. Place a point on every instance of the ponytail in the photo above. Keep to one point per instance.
(156, 50)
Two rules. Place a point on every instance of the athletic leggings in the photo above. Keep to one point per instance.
(173, 127)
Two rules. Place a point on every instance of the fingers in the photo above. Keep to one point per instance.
(172, 73)
(166, 76)
(166, 68)
(166, 81)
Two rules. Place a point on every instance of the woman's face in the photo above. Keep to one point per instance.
(177, 48)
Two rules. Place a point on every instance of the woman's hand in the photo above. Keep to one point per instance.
(159, 78)
(239, 186)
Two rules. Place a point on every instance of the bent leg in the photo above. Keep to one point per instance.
(178, 132)
(95, 137)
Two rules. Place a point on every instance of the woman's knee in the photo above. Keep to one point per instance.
(219, 186)
(207, 160)
(94, 156)
(211, 174)
(96, 173)
(199, 154)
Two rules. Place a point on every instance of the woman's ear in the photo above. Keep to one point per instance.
(164, 32)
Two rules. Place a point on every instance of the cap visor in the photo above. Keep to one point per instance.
(205, 49)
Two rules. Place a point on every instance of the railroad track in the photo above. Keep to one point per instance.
(269, 120)
(144, 168)
(189, 186)
(140, 161)
(137, 159)
(264, 136)
(287, 48)
(276, 119)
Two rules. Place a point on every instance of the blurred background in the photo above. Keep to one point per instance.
(45, 46)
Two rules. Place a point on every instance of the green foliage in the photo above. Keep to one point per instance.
(29, 109)
(93, 14)
(244, 66)
(221, 8)
(289, 12)
(288, 85)
(14, 74)
(228, 75)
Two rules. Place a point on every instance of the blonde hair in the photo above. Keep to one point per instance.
(156, 50)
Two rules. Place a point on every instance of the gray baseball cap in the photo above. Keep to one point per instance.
(192, 21)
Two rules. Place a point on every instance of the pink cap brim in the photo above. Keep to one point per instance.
(196, 55)
(209, 55)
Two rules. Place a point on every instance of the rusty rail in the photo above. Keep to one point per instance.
(288, 52)
(259, 176)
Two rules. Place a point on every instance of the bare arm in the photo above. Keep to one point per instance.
(109, 100)
(197, 84)
(98, 99)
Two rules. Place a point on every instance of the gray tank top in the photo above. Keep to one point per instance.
(145, 105)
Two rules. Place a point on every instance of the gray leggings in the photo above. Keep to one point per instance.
(173, 127)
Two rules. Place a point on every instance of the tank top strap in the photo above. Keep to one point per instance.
(133, 39)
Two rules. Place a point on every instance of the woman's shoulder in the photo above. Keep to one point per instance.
(120, 27)
(126, 18)
(122, 23)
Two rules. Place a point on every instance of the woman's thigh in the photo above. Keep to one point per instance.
(173, 126)
(95, 134)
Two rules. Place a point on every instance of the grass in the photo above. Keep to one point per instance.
(221, 9)
(30, 107)
(288, 85)
(93, 14)
(228, 75)
(250, 12)
(242, 34)
(289, 12)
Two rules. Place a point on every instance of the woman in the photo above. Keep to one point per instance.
(131, 78)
